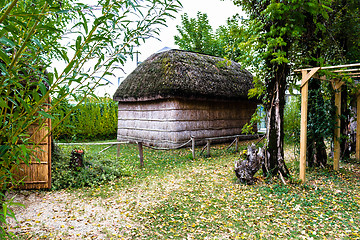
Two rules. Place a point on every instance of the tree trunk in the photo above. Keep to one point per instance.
(274, 164)
(344, 124)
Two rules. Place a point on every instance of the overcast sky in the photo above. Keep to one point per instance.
(218, 12)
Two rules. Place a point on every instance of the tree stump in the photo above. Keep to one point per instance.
(246, 169)
(77, 159)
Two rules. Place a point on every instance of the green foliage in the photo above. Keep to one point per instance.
(98, 169)
(197, 35)
(292, 116)
(94, 118)
(30, 34)
(248, 128)
(321, 120)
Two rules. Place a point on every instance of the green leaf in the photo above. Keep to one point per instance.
(4, 149)
(37, 42)
(68, 67)
(45, 114)
(78, 42)
(5, 57)
(3, 104)
(7, 42)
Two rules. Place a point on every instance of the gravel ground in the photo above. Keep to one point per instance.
(62, 215)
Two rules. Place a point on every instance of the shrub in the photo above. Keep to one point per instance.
(97, 170)
(95, 118)
(292, 117)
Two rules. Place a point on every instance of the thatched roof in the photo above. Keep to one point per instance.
(182, 74)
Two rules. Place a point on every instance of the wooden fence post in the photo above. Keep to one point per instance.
(118, 150)
(193, 147)
(236, 144)
(208, 148)
(141, 155)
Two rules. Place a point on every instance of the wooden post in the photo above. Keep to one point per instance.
(236, 144)
(303, 126)
(141, 155)
(118, 150)
(208, 148)
(304, 112)
(358, 127)
(193, 147)
(337, 127)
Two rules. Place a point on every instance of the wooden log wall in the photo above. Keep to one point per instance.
(168, 123)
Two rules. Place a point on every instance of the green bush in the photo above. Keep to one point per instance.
(95, 118)
(292, 116)
(97, 170)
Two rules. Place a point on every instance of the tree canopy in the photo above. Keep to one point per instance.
(197, 35)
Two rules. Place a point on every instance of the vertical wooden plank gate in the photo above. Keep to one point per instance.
(37, 174)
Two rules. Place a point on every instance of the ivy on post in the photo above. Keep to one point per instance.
(358, 126)
(337, 87)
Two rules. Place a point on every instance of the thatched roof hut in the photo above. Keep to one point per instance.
(175, 94)
(182, 74)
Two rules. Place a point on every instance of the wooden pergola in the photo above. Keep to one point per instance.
(351, 70)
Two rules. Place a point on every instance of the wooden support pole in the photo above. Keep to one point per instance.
(236, 144)
(337, 129)
(118, 150)
(208, 142)
(141, 154)
(303, 126)
(193, 147)
(358, 127)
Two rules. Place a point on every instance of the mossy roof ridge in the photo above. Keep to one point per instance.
(183, 74)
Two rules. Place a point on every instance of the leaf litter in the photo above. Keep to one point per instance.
(198, 200)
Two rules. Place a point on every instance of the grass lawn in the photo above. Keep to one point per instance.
(175, 197)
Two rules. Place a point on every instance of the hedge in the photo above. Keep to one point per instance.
(95, 118)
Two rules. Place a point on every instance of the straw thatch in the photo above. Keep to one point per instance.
(182, 74)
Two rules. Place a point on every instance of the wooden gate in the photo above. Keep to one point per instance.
(37, 174)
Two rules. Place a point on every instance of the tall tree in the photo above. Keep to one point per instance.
(344, 30)
(277, 27)
(197, 35)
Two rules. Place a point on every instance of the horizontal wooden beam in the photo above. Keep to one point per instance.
(330, 67)
(104, 143)
(352, 70)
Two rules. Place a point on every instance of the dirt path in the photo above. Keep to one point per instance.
(72, 215)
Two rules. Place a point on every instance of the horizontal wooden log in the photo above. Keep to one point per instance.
(94, 144)
(186, 115)
(182, 104)
(178, 126)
